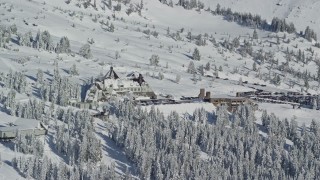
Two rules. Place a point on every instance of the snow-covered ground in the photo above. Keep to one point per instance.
(182, 109)
(135, 48)
(302, 116)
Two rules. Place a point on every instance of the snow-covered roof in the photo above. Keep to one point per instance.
(225, 96)
(21, 124)
(133, 75)
(116, 83)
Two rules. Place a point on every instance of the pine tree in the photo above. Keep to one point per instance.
(255, 34)
(208, 66)
(117, 55)
(73, 70)
(240, 81)
(160, 76)
(201, 70)
(46, 41)
(154, 60)
(306, 83)
(196, 55)
(318, 74)
(85, 51)
(63, 46)
(111, 28)
(191, 68)
(178, 78)
(40, 79)
(254, 66)
(315, 104)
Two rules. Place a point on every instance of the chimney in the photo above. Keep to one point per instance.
(208, 95)
(201, 95)
(140, 79)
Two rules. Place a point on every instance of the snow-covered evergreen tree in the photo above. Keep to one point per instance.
(73, 70)
(191, 68)
(63, 46)
(85, 51)
(154, 60)
(196, 55)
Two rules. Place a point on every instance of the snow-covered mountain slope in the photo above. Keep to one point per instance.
(302, 13)
(281, 61)
(134, 45)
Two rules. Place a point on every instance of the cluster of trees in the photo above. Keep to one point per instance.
(32, 109)
(202, 145)
(200, 69)
(28, 144)
(226, 146)
(231, 46)
(280, 25)
(190, 4)
(9, 101)
(167, 2)
(106, 26)
(61, 90)
(154, 60)
(5, 34)
(16, 81)
(277, 24)
(44, 168)
(73, 71)
(260, 57)
(76, 137)
(245, 19)
(309, 34)
(248, 19)
(76, 141)
(235, 46)
(63, 46)
(175, 35)
(43, 40)
(153, 33)
(200, 40)
(246, 49)
(85, 51)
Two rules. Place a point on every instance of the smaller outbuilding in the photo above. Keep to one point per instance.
(232, 102)
(24, 127)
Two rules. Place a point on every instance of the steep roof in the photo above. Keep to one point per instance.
(139, 80)
(111, 74)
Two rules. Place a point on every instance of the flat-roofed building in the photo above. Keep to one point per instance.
(232, 102)
(24, 127)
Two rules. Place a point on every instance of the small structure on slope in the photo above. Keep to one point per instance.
(231, 102)
(24, 127)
